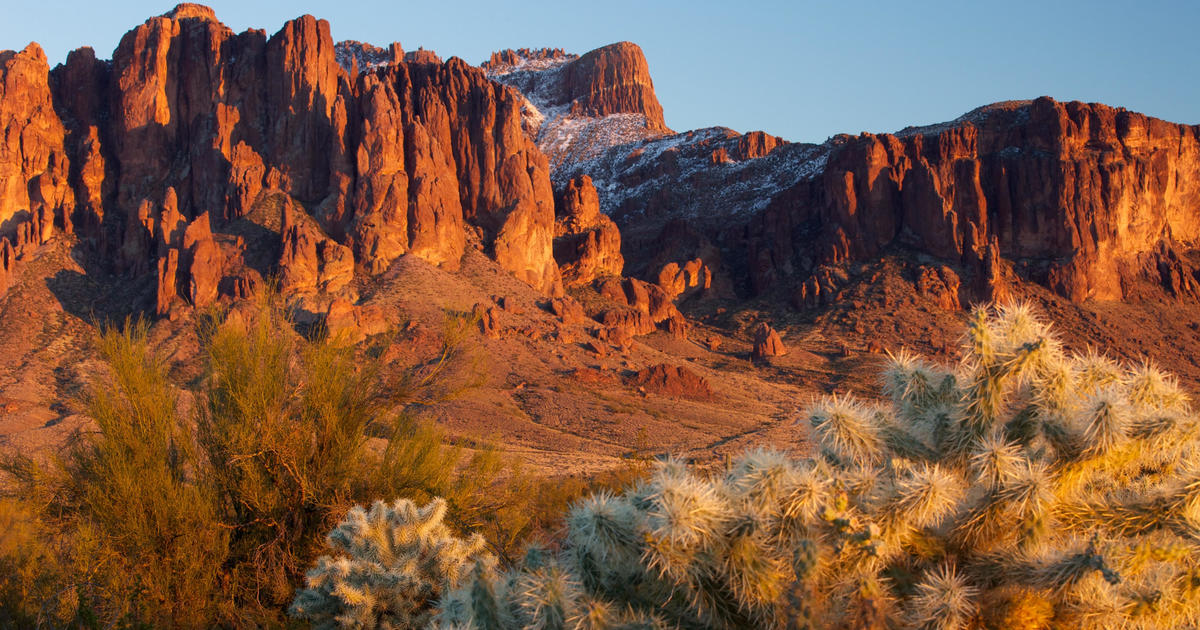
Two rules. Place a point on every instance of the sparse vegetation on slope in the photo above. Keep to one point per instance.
(1026, 487)
(207, 513)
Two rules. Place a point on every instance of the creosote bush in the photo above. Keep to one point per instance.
(1025, 487)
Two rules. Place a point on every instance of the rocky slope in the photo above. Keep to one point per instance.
(623, 278)
(576, 107)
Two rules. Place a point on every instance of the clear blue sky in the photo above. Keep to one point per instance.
(804, 70)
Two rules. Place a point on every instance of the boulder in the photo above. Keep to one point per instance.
(767, 342)
(674, 381)
(568, 310)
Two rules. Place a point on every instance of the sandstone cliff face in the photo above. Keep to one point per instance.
(34, 188)
(1071, 193)
(587, 243)
(190, 119)
(1081, 198)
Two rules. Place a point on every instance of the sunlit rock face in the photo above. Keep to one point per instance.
(412, 156)
(1081, 198)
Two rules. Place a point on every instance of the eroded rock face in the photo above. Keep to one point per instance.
(190, 264)
(405, 158)
(693, 276)
(203, 262)
(1072, 192)
(34, 188)
(8, 263)
(354, 323)
(612, 80)
(1068, 195)
(568, 310)
(587, 244)
(443, 146)
(310, 261)
(576, 107)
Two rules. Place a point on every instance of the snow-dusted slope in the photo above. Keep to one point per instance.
(567, 137)
(703, 175)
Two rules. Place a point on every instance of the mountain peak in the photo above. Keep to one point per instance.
(186, 10)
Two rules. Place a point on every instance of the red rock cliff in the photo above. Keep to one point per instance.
(408, 158)
(34, 189)
(614, 79)
(1077, 195)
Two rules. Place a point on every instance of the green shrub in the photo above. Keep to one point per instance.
(132, 534)
(173, 519)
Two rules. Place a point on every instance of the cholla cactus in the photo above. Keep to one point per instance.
(395, 562)
(1026, 487)
(677, 550)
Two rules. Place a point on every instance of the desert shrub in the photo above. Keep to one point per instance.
(206, 514)
(131, 534)
(1025, 487)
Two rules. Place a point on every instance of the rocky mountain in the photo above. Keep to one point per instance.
(576, 107)
(191, 122)
(623, 277)
(1084, 199)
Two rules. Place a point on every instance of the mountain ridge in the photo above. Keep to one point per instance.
(543, 194)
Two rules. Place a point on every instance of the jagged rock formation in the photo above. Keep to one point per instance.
(693, 276)
(388, 153)
(637, 308)
(190, 120)
(579, 106)
(1078, 197)
(310, 261)
(35, 196)
(567, 309)
(1070, 192)
(587, 244)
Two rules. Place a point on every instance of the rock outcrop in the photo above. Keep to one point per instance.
(35, 195)
(8, 263)
(1076, 197)
(509, 60)
(310, 261)
(767, 343)
(1072, 193)
(576, 107)
(614, 79)
(693, 276)
(674, 381)
(587, 244)
(404, 156)
(442, 145)
(354, 323)
(190, 263)
(568, 310)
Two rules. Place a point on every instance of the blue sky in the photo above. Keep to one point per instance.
(804, 70)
